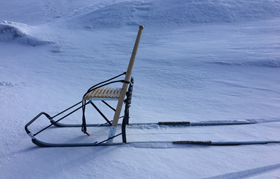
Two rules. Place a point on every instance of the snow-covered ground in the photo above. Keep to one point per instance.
(207, 60)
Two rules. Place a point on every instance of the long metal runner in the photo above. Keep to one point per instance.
(179, 123)
(152, 144)
(161, 144)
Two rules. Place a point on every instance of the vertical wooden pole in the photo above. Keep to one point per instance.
(124, 87)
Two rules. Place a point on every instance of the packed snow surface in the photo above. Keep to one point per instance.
(206, 60)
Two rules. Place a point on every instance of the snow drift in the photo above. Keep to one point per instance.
(170, 12)
(19, 32)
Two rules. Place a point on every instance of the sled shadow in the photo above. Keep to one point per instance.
(247, 173)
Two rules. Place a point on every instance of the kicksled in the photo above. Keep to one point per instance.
(122, 94)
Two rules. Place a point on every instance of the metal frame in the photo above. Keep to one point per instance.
(74, 108)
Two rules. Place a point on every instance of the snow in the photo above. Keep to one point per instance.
(197, 61)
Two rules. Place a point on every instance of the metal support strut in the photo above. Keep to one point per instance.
(127, 102)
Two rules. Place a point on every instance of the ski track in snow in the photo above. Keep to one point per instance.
(198, 61)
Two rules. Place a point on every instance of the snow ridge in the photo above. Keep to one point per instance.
(170, 13)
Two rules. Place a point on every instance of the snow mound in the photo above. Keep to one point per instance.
(12, 31)
(170, 12)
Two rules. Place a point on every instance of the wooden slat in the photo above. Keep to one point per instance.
(97, 92)
(101, 92)
(90, 94)
(105, 92)
(115, 93)
(118, 93)
(109, 93)
(94, 92)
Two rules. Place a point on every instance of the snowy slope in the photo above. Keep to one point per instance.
(207, 60)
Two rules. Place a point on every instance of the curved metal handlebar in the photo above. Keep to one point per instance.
(34, 119)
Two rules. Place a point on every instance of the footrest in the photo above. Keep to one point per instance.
(103, 93)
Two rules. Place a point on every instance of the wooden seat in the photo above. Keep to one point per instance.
(103, 93)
